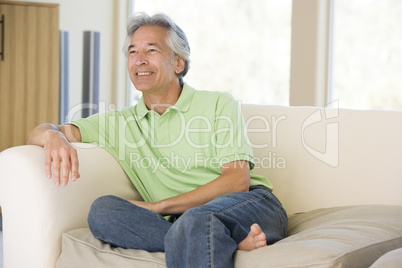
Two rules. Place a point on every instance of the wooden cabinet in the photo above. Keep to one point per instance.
(29, 69)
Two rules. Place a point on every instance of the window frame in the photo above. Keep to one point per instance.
(311, 53)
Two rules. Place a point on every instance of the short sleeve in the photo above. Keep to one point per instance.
(87, 127)
(98, 129)
(230, 136)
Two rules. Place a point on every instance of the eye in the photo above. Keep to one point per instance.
(152, 50)
(132, 51)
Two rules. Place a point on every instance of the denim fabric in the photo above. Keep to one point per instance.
(204, 236)
(122, 224)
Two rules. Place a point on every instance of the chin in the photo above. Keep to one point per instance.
(140, 87)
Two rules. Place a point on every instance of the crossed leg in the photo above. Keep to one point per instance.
(209, 235)
(255, 238)
(122, 224)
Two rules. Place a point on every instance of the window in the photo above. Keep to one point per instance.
(367, 59)
(238, 46)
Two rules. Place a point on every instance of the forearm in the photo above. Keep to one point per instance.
(202, 195)
(235, 178)
(45, 132)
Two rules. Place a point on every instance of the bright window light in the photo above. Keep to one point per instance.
(238, 46)
(368, 54)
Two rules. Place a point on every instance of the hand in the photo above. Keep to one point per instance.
(60, 154)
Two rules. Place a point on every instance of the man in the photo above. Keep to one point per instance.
(187, 153)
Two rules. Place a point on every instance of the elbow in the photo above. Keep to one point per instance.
(237, 176)
(243, 183)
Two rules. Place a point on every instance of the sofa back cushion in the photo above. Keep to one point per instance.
(321, 157)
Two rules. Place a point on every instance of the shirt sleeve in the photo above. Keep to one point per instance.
(97, 129)
(231, 140)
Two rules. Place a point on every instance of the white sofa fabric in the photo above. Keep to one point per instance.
(348, 236)
(391, 259)
(339, 161)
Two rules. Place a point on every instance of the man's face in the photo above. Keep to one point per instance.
(150, 63)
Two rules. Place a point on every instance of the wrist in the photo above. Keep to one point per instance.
(53, 133)
(161, 207)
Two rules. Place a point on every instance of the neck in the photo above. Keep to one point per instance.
(161, 101)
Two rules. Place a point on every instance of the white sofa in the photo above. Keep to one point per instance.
(336, 171)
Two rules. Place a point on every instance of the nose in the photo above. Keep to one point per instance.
(141, 60)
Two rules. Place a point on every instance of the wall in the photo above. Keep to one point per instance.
(108, 17)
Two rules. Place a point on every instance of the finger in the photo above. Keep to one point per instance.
(74, 165)
(48, 166)
(66, 169)
(56, 170)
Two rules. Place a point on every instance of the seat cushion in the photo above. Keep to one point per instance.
(80, 249)
(353, 236)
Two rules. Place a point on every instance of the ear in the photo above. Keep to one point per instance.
(179, 64)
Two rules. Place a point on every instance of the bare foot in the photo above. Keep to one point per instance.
(255, 239)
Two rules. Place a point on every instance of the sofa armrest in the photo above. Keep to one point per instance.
(36, 212)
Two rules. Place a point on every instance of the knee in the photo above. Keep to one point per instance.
(101, 204)
(100, 211)
(194, 216)
(188, 224)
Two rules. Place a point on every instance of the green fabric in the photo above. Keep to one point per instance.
(177, 152)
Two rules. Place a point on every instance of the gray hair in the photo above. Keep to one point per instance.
(176, 38)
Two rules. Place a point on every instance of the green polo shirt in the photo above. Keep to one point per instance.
(174, 153)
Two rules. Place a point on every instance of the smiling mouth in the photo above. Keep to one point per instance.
(144, 73)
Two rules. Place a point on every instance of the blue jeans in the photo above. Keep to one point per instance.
(204, 236)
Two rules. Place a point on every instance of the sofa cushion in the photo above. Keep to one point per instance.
(353, 236)
(389, 260)
(81, 249)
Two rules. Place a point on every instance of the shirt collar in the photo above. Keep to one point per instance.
(182, 104)
(184, 101)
